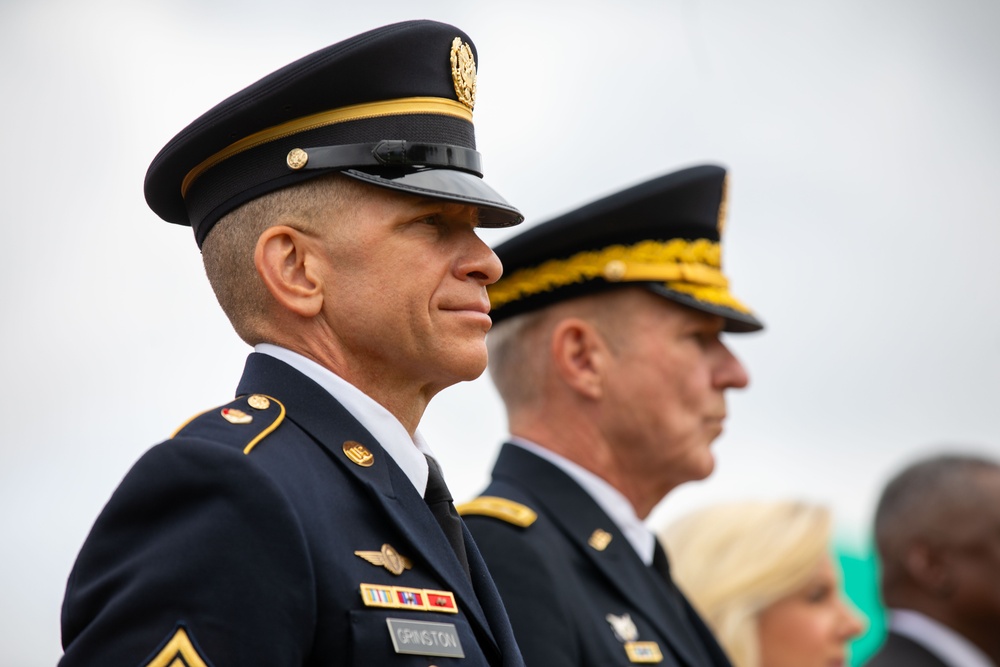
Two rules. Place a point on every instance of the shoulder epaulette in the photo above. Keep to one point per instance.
(499, 508)
(262, 414)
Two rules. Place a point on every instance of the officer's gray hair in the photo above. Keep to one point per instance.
(516, 360)
(519, 347)
(228, 251)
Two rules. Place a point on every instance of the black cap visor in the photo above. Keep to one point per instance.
(736, 321)
(447, 184)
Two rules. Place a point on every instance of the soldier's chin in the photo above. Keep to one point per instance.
(467, 365)
(706, 466)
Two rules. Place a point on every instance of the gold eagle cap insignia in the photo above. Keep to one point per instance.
(463, 72)
(723, 206)
(388, 558)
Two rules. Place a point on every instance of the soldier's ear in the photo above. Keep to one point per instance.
(288, 262)
(580, 356)
(930, 567)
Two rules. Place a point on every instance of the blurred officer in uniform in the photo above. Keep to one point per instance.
(606, 351)
(336, 203)
(937, 529)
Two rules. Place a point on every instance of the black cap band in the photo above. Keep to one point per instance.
(387, 153)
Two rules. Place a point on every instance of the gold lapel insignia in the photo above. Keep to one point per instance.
(234, 416)
(647, 653)
(259, 402)
(463, 72)
(600, 539)
(623, 626)
(388, 558)
(359, 454)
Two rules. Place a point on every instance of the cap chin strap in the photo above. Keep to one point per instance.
(386, 153)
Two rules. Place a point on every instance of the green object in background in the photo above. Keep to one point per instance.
(860, 571)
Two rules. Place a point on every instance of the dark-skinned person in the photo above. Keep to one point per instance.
(937, 531)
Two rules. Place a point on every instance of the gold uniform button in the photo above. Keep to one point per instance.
(258, 402)
(297, 158)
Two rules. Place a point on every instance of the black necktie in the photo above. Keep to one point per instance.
(701, 644)
(662, 567)
(439, 500)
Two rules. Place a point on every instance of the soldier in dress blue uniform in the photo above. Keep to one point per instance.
(336, 203)
(606, 350)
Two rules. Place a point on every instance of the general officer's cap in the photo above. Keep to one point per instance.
(663, 235)
(391, 107)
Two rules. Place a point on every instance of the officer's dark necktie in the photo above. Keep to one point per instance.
(662, 567)
(439, 500)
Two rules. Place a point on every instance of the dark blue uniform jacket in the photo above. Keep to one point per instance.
(560, 589)
(209, 555)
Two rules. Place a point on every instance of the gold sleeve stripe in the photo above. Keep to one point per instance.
(410, 105)
(267, 431)
(678, 260)
(179, 652)
(499, 508)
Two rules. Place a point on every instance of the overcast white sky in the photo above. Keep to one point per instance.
(864, 144)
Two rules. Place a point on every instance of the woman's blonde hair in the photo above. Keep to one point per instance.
(735, 560)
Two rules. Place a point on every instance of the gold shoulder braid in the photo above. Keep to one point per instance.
(499, 508)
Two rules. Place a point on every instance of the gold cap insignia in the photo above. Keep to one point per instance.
(723, 206)
(234, 416)
(359, 454)
(623, 626)
(259, 402)
(463, 72)
(388, 558)
(647, 653)
(600, 539)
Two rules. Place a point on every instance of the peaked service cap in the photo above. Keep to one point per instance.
(391, 107)
(663, 235)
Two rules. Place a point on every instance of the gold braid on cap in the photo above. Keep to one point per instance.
(690, 267)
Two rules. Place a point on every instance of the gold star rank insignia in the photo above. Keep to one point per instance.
(388, 558)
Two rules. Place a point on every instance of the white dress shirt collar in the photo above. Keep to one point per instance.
(942, 641)
(407, 452)
(607, 497)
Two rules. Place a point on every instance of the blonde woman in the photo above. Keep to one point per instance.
(762, 577)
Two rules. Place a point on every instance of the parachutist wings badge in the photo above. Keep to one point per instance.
(388, 558)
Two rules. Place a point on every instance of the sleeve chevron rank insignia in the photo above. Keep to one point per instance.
(388, 558)
(179, 651)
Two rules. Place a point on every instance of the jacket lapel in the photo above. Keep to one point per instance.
(315, 411)
(579, 517)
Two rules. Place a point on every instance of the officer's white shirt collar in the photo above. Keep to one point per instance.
(607, 497)
(951, 647)
(407, 452)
